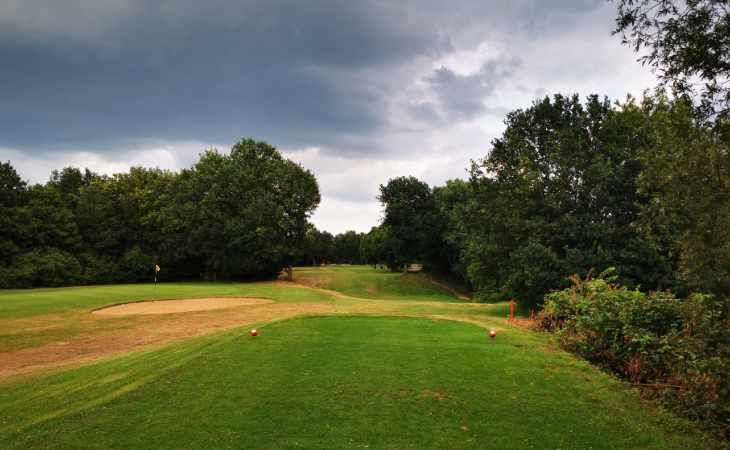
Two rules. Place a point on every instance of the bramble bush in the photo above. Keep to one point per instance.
(677, 350)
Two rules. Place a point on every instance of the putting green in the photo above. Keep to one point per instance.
(338, 382)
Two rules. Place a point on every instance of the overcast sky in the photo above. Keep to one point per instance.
(357, 91)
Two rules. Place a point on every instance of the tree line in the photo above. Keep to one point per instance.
(237, 216)
(571, 187)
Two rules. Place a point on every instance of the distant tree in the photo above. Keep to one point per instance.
(52, 222)
(12, 187)
(375, 247)
(46, 267)
(347, 247)
(413, 221)
(686, 42)
(13, 197)
(70, 180)
(319, 247)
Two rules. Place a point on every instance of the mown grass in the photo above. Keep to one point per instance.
(323, 382)
(338, 382)
(367, 282)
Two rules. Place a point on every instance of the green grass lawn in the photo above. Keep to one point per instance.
(367, 282)
(337, 382)
(340, 381)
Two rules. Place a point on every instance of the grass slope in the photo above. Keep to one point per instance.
(336, 382)
(367, 282)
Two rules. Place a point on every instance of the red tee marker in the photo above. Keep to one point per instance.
(492, 333)
(254, 332)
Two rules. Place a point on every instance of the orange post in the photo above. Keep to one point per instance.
(512, 304)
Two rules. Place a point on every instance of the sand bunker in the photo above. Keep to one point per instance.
(177, 306)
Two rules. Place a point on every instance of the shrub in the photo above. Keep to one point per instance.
(678, 350)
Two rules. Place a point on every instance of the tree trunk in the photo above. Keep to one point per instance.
(289, 273)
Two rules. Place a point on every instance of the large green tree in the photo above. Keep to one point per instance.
(13, 236)
(251, 212)
(557, 195)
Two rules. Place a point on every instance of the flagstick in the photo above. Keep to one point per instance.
(157, 270)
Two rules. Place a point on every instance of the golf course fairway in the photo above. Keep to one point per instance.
(324, 372)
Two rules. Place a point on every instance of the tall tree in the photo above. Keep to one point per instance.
(252, 210)
(453, 201)
(318, 248)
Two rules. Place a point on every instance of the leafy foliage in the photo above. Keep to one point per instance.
(557, 195)
(678, 348)
(687, 177)
(687, 44)
(413, 222)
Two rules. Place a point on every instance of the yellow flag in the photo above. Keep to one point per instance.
(157, 268)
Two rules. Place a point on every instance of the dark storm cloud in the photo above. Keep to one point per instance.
(102, 75)
(258, 68)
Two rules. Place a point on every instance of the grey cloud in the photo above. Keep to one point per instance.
(461, 97)
(104, 75)
(252, 68)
